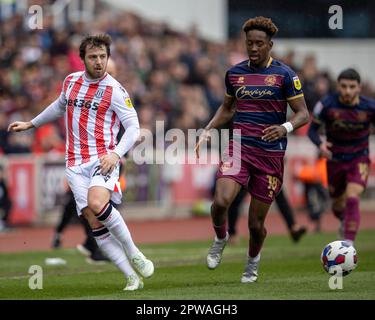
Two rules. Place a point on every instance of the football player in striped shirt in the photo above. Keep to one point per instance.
(94, 105)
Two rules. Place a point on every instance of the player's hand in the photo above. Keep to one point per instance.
(324, 150)
(20, 126)
(273, 133)
(204, 137)
(108, 163)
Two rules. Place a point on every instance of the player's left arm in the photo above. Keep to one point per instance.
(296, 101)
(299, 119)
(123, 107)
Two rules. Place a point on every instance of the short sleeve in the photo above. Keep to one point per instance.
(228, 85)
(292, 85)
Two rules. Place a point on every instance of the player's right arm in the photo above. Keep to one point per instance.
(222, 116)
(19, 126)
(313, 133)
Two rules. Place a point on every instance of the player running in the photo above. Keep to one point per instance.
(95, 104)
(258, 91)
(347, 117)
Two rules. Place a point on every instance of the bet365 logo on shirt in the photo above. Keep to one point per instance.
(82, 103)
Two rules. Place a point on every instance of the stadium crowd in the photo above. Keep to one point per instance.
(172, 76)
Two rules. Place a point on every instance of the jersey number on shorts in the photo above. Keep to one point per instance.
(363, 170)
(272, 185)
(97, 173)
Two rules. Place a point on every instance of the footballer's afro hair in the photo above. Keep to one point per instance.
(260, 23)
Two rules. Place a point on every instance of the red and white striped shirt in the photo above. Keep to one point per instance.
(94, 109)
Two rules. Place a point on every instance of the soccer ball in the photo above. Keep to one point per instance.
(339, 256)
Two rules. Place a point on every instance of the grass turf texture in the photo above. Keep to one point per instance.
(287, 271)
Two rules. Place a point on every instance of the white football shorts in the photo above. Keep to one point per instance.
(82, 177)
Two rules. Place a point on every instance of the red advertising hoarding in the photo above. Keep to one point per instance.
(21, 179)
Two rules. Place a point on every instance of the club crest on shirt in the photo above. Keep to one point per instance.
(128, 103)
(241, 80)
(297, 83)
(270, 80)
(99, 93)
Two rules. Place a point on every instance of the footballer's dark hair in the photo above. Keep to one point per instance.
(349, 74)
(95, 41)
(262, 24)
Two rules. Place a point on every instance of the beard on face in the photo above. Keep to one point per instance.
(95, 72)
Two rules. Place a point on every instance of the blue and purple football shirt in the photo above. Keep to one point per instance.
(347, 127)
(261, 97)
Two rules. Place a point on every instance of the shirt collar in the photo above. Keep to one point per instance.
(268, 63)
(87, 79)
(355, 103)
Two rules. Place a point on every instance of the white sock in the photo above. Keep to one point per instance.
(255, 259)
(114, 222)
(113, 250)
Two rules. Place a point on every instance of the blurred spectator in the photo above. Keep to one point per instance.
(19, 142)
(315, 181)
(172, 75)
(48, 140)
(31, 51)
(75, 62)
(3, 132)
(288, 59)
(323, 86)
(309, 74)
(5, 203)
(214, 92)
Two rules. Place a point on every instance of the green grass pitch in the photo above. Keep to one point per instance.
(287, 271)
